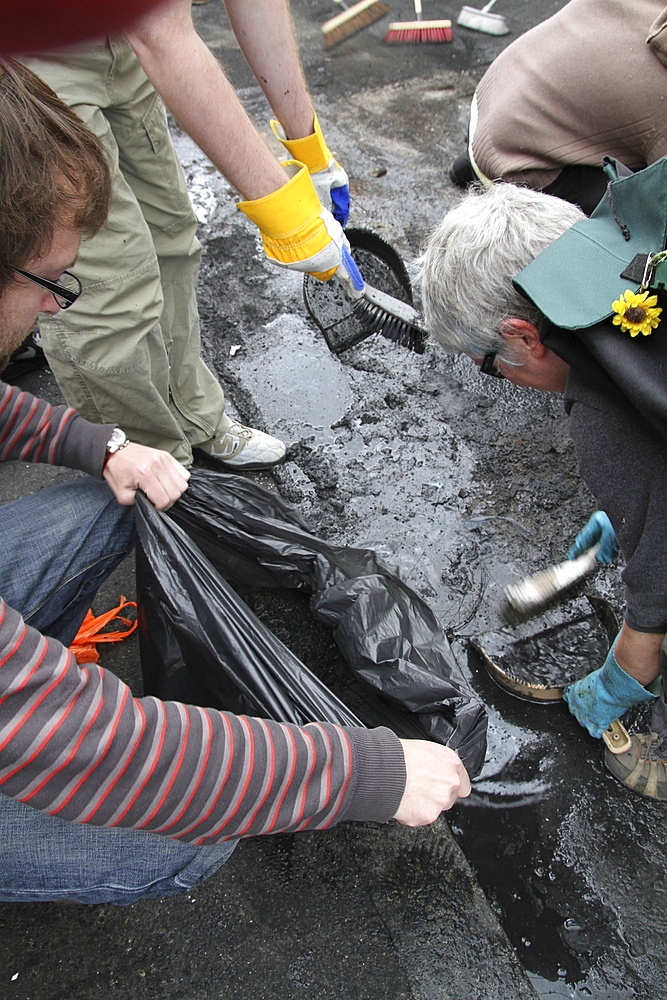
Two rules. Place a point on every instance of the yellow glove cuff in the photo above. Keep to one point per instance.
(312, 150)
(290, 220)
(288, 209)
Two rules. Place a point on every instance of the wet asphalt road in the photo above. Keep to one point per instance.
(463, 486)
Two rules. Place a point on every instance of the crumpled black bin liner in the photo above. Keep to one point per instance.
(201, 644)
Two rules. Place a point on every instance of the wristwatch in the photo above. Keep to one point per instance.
(117, 441)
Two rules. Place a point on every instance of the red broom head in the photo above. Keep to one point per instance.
(419, 31)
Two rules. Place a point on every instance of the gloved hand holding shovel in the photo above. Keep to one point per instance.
(601, 697)
(597, 531)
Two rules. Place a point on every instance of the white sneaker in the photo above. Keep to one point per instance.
(246, 448)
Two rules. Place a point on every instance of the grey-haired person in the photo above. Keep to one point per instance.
(495, 273)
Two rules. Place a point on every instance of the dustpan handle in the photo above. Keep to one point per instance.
(352, 269)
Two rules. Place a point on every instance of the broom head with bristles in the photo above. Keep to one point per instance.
(352, 20)
(419, 31)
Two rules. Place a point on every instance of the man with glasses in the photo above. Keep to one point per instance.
(131, 349)
(526, 286)
(104, 797)
(65, 290)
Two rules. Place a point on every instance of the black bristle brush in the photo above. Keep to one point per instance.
(380, 313)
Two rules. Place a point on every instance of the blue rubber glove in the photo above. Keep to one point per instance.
(602, 696)
(598, 529)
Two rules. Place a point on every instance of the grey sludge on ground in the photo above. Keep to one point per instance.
(550, 880)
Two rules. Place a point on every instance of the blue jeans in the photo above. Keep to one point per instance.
(56, 548)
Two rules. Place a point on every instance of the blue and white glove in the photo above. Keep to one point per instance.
(599, 698)
(598, 529)
(328, 177)
(299, 234)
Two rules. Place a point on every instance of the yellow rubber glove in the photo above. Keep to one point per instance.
(330, 180)
(297, 232)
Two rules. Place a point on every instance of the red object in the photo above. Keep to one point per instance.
(85, 642)
(419, 31)
(36, 25)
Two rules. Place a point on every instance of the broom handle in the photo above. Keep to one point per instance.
(418, 9)
(488, 7)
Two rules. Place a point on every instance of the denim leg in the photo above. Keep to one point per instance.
(57, 547)
(46, 859)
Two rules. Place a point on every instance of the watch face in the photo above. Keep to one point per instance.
(117, 440)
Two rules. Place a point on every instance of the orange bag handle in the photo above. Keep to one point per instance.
(83, 646)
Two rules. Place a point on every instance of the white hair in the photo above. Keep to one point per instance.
(468, 263)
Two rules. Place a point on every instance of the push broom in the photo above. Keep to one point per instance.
(483, 20)
(419, 30)
(351, 20)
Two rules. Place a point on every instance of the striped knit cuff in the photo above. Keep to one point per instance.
(379, 766)
(83, 446)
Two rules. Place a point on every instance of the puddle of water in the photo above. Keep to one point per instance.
(298, 384)
(557, 844)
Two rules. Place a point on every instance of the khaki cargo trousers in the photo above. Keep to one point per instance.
(129, 349)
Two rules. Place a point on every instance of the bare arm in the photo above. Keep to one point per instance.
(201, 98)
(273, 56)
(638, 653)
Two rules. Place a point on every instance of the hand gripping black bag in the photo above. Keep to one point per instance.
(200, 643)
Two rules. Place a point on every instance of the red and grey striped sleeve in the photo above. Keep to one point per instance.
(31, 430)
(75, 743)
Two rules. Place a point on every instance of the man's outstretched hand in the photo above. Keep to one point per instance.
(156, 472)
(436, 778)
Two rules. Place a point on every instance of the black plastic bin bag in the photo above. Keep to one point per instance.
(201, 643)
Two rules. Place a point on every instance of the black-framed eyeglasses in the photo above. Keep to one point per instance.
(65, 290)
(488, 366)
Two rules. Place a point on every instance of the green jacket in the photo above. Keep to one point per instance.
(575, 280)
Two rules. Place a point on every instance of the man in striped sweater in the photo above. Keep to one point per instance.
(105, 797)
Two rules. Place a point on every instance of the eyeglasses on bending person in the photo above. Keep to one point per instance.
(488, 366)
(65, 290)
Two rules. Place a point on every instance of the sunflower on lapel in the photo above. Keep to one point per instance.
(636, 312)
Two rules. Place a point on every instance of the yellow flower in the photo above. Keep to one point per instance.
(636, 312)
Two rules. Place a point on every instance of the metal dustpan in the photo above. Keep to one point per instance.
(500, 651)
(329, 307)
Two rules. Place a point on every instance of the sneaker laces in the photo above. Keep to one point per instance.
(652, 747)
(238, 430)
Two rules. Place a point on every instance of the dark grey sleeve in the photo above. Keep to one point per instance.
(624, 464)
